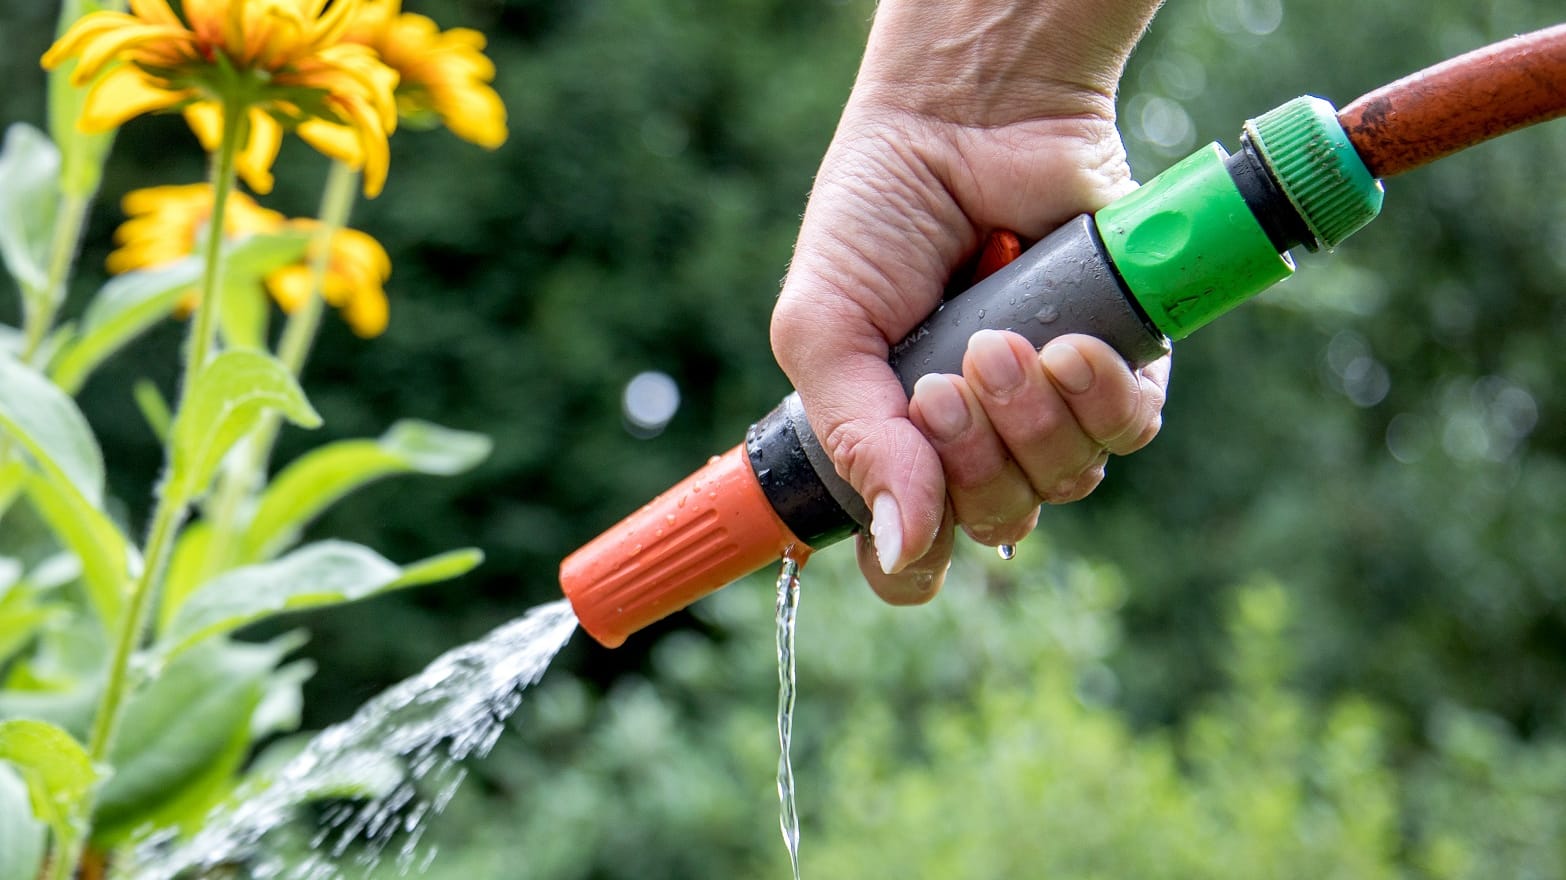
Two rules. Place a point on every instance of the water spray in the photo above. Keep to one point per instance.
(1212, 231)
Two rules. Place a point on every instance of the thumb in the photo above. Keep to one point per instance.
(859, 412)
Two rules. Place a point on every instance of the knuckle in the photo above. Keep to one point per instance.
(1076, 488)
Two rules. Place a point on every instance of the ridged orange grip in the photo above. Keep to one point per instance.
(712, 528)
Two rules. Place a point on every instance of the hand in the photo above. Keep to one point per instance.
(966, 117)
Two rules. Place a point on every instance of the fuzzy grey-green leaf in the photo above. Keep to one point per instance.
(323, 476)
(226, 401)
(21, 834)
(325, 573)
(29, 197)
(124, 307)
(45, 421)
(59, 775)
(180, 724)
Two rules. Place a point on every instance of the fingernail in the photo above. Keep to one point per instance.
(886, 528)
(995, 361)
(1068, 367)
(942, 407)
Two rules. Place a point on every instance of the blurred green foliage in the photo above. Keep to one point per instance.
(1377, 447)
(983, 738)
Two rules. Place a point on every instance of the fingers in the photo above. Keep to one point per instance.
(991, 496)
(919, 580)
(1032, 418)
(1115, 407)
(1021, 426)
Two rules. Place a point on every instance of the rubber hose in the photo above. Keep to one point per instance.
(1459, 103)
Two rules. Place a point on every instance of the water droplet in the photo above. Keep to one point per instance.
(1049, 314)
(1007, 552)
(669, 519)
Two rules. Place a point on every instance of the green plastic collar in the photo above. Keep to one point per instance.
(1188, 247)
(1311, 157)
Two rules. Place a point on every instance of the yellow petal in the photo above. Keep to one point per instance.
(205, 118)
(290, 287)
(155, 11)
(113, 45)
(86, 29)
(334, 140)
(334, 23)
(377, 154)
(366, 313)
(255, 160)
(123, 94)
(152, 198)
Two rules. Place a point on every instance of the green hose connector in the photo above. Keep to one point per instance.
(1188, 246)
(1311, 157)
(1214, 230)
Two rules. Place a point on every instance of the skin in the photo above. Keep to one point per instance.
(967, 116)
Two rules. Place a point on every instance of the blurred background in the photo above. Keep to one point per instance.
(1318, 628)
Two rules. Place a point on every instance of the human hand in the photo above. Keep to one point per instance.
(966, 117)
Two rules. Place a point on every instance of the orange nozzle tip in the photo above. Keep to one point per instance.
(712, 528)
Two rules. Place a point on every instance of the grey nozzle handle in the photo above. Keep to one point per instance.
(1066, 283)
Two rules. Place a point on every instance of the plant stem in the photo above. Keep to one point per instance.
(170, 509)
(67, 232)
(336, 203)
(204, 328)
(293, 349)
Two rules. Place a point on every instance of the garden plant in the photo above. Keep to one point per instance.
(127, 703)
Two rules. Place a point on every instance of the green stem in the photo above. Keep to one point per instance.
(67, 232)
(336, 203)
(67, 856)
(204, 330)
(170, 509)
(293, 349)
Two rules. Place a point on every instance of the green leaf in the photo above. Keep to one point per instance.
(123, 309)
(13, 477)
(22, 837)
(153, 408)
(47, 423)
(226, 401)
(59, 775)
(243, 317)
(107, 558)
(320, 478)
(21, 616)
(29, 198)
(181, 725)
(444, 567)
(369, 775)
(187, 566)
(326, 573)
(84, 153)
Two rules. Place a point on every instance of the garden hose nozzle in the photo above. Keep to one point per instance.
(1209, 233)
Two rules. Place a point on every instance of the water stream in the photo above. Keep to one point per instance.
(403, 749)
(788, 608)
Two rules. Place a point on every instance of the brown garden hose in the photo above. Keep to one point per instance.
(1459, 103)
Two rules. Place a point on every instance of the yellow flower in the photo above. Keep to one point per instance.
(444, 74)
(282, 61)
(356, 272)
(166, 223)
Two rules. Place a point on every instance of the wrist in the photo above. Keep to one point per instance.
(993, 62)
